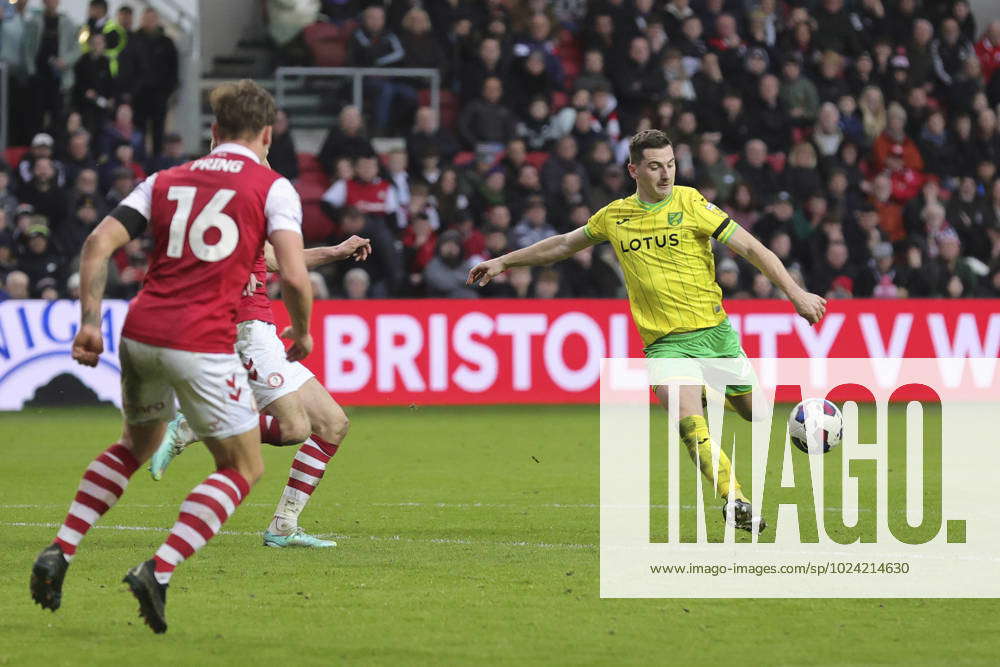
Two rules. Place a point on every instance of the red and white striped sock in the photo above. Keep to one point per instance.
(202, 514)
(307, 471)
(102, 485)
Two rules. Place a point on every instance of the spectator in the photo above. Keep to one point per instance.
(827, 134)
(920, 55)
(735, 123)
(948, 52)
(570, 194)
(539, 130)
(17, 285)
(539, 40)
(562, 162)
(834, 271)
(282, 155)
(530, 80)
(801, 175)
(834, 29)
(39, 260)
(988, 50)
(446, 273)
(357, 284)
(368, 193)
(52, 37)
(93, 85)
(533, 227)
(756, 172)
(87, 184)
(966, 213)
(473, 73)
(637, 80)
(384, 268)
(419, 248)
(122, 129)
(121, 180)
(121, 160)
(611, 187)
(372, 45)
(41, 147)
(157, 78)
(345, 140)
(712, 167)
(953, 276)
(831, 84)
(43, 192)
(727, 274)
(68, 238)
(797, 93)
(593, 75)
(421, 45)
(768, 119)
(485, 120)
(16, 52)
(447, 197)
(8, 202)
(428, 135)
(78, 156)
(285, 23)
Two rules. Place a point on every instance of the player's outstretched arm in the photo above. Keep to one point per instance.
(810, 306)
(106, 238)
(546, 251)
(356, 247)
(296, 290)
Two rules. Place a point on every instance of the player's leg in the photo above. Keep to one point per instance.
(214, 394)
(148, 402)
(177, 436)
(329, 426)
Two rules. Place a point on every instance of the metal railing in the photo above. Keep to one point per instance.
(283, 77)
(4, 106)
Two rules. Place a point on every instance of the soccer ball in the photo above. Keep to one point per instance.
(816, 426)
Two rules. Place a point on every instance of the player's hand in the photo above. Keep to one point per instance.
(251, 286)
(88, 345)
(482, 273)
(358, 248)
(810, 306)
(302, 344)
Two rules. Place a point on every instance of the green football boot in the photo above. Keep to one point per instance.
(297, 538)
(178, 436)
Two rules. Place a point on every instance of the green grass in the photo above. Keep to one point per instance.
(466, 535)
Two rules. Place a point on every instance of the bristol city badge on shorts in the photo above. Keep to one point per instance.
(275, 380)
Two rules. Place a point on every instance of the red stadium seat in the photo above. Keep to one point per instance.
(536, 158)
(13, 155)
(464, 159)
(315, 225)
(559, 100)
(449, 106)
(327, 43)
(777, 162)
(308, 163)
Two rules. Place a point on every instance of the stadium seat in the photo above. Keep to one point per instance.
(327, 43)
(536, 158)
(449, 106)
(777, 162)
(559, 100)
(309, 163)
(464, 159)
(13, 155)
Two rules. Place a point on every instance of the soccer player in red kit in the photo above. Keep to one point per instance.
(209, 220)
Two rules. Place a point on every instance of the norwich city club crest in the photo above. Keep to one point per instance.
(674, 219)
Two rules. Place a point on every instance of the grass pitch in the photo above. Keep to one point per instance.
(466, 535)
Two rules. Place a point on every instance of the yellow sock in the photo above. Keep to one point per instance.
(694, 433)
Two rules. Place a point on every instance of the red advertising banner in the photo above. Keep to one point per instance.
(437, 351)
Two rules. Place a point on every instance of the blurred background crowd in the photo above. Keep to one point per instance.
(858, 139)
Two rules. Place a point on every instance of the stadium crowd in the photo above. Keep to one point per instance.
(858, 139)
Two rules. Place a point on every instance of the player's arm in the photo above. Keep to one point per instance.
(546, 251)
(356, 247)
(743, 243)
(127, 221)
(103, 242)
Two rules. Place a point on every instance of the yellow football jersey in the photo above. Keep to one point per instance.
(665, 251)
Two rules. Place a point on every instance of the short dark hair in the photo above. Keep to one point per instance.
(646, 139)
(242, 109)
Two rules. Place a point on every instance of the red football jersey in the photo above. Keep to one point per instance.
(209, 219)
(258, 305)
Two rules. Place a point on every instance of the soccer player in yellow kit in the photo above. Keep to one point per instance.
(662, 237)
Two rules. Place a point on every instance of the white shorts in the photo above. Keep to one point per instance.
(212, 389)
(271, 375)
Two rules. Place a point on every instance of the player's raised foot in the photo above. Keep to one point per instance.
(47, 577)
(297, 538)
(178, 436)
(151, 594)
(743, 516)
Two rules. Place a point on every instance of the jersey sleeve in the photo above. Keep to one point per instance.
(711, 220)
(134, 211)
(595, 228)
(283, 208)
